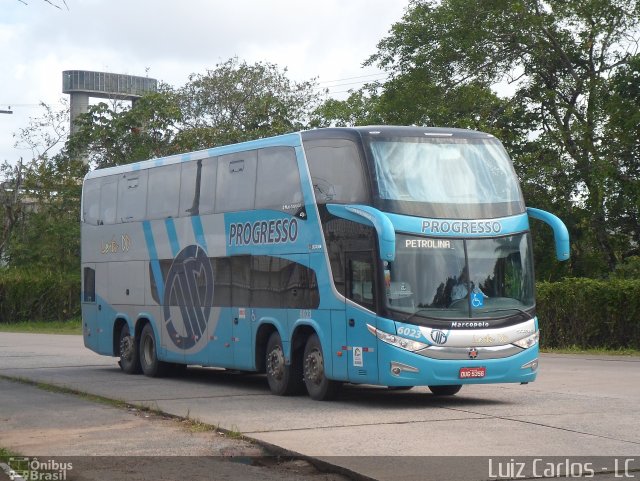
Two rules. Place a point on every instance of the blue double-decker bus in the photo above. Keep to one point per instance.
(395, 256)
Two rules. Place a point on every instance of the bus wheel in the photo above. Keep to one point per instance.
(283, 380)
(128, 350)
(318, 386)
(149, 362)
(445, 390)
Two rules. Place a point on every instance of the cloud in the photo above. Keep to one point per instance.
(173, 39)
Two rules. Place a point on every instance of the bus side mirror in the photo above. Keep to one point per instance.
(560, 232)
(367, 215)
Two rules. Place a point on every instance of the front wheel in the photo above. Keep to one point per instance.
(318, 385)
(445, 390)
(283, 379)
(128, 349)
(149, 362)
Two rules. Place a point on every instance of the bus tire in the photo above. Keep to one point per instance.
(128, 350)
(149, 362)
(319, 387)
(283, 379)
(445, 390)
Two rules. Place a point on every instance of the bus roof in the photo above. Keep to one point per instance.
(292, 140)
(287, 140)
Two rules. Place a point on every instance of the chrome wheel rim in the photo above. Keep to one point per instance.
(275, 364)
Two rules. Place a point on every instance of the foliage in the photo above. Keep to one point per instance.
(41, 199)
(590, 313)
(570, 121)
(30, 294)
(232, 103)
(573, 313)
(629, 269)
(237, 102)
(110, 135)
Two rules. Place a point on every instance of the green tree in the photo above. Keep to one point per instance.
(111, 135)
(569, 123)
(42, 199)
(237, 101)
(231, 103)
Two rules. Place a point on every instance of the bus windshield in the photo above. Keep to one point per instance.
(445, 177)
(438, 278)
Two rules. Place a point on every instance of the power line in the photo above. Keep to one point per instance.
(352, 78)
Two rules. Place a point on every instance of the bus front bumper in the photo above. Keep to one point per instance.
(398, 367)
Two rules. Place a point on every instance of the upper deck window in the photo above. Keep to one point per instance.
(336, 171)
(445, 177)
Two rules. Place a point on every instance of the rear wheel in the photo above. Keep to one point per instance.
(445, 390)
(128, 350)
(283, 379)
(318, 385)
(149, 362)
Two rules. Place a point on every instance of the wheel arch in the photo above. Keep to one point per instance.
(118, 324)
(262, 337)
(299, 338)
(140, 323)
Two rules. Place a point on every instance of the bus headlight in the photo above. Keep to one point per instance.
(528, 341)
(401, 342)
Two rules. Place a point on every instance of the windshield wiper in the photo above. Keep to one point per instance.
(466, 318)
(521, 311)
(411, 316)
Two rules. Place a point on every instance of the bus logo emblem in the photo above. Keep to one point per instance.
(439, 337)
(188, 297)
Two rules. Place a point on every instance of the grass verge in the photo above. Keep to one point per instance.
(73, 326)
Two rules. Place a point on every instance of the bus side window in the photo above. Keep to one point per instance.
(241, 281)
(89, 285)
(342, 236)
(336, 171)
(163, 194)
(222, 282)
(108, 201)
(360, 279)
(91, 201)
(278, 185)
(198, 186)
(236, 182)
(132, 196)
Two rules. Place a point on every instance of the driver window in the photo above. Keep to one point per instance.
(360, 279)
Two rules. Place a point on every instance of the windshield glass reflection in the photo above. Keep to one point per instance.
(455, 278)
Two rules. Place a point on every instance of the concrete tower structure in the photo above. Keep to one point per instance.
(82, 84)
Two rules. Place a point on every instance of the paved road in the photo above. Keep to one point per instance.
(581, 406)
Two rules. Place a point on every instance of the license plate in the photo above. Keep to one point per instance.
(472, 372)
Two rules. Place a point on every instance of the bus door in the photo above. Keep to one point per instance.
(220, 346)
(360, 288)
(242, 316)
(104, 314)
(89, 307)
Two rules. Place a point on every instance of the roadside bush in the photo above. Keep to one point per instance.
(590, 313)
(578, 312)
(38, 296)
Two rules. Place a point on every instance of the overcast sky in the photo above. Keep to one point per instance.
(170, 39)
